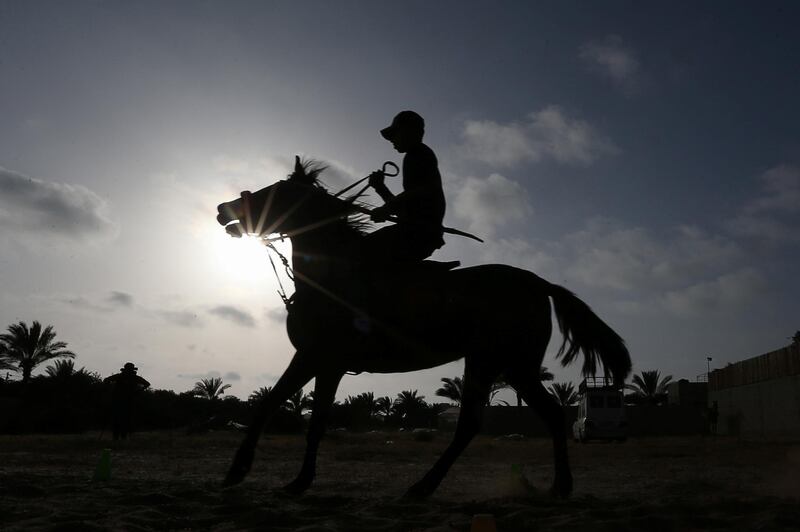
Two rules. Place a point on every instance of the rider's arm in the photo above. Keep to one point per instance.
(422, 184)
(384, 192)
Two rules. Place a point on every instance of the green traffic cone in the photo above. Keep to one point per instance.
(103, 471)
(520, 478)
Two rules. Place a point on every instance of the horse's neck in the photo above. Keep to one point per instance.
(324, 257)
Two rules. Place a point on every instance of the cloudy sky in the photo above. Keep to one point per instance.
(645, 156)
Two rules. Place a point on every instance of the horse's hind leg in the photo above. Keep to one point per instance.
(324, 395)
(477, 382)
(296, 375)
(545, 405)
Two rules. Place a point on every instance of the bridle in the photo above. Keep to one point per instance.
(268, 242)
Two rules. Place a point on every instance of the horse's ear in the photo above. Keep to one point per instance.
(298, 166)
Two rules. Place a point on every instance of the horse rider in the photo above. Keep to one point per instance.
(419, 208)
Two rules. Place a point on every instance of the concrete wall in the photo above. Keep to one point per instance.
(784, 362)
(686, 393)
(498, 420)
(668, 420)
(768, 409)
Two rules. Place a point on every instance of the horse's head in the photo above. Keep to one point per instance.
(282, 207)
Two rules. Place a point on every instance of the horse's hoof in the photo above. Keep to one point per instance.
(560, 491)
(417, 492)
(296, 487)
(235, 476)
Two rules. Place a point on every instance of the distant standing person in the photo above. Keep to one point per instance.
(126, 385)
(713, 416)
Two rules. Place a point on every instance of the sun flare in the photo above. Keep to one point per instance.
(247, 258)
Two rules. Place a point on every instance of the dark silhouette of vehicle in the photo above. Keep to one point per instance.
(601, 411)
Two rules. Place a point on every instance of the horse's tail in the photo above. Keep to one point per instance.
(584, 331)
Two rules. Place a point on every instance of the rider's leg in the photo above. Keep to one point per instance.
(398, 243)
(385, 245)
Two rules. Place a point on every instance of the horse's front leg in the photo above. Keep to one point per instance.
(324, 395)
(477, 382)
(300, 371)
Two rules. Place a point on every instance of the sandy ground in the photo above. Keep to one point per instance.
(166, 481)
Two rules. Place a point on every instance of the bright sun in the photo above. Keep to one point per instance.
(247, 258)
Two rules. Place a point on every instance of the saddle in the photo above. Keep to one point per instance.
(435, 266)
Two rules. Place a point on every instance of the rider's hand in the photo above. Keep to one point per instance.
(379, 214)
(376, 179)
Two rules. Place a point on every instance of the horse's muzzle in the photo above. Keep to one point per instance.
(227, 212)
(235, 230)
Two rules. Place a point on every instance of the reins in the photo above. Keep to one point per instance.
(387, 164)
(289, 271)
(268, 242)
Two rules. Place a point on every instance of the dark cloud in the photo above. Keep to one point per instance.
(32, 205)
(184, 318)
(548, 134)
(488, 204)
(774, 214)
(277, 314)
(81, 303)
(234, 315)
(268, 377)
(120, 299)
(613, 59)
(197, 376)
(108, 304)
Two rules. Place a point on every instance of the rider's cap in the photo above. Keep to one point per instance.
(404, 121)
(128, 367)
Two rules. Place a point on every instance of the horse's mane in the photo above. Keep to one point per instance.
(308, 172)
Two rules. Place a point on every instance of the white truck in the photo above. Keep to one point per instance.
(601, 412)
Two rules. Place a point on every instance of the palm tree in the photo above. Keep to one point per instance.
(28, 347)
(796, 338)
(496, 388)
(384, 406)
(359, 410)
(297, 403)
(409, 403)
(544, 376)
(364, 402)
(259, 395)
(649, 386)
(452, 389)
(565, 393)
(63, 369)
(210, 389)
(6, 364)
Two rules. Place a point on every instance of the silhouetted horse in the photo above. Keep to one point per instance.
(350, 314)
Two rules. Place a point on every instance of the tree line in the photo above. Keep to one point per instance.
(66, 398)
